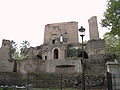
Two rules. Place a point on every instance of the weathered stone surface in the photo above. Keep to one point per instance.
(51, 56)
(69, 31)
(5, 64)
(93, 28)
(96, 47)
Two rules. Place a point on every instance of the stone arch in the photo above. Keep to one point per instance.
(55, 54)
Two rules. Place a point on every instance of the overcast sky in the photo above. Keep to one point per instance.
(25, 19)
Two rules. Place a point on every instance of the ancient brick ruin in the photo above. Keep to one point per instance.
(6, 65)
(53, 55)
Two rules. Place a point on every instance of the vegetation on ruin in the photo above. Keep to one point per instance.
(19, 52)
(112, 17)
(74, 52)
(24, 48)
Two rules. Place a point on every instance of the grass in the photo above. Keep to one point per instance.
(53, 89)
(10, 89)
(40, 89)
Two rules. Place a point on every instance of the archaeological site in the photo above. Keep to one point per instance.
(61, 53)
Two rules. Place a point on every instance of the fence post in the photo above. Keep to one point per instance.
(27, 82)
(109, 81)
(5, 80)
(14, 80)
(61, 81)
(5, 84)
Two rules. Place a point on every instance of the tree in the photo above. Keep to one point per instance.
(14, 55)
(112, 43)
(24, 48)
(112, 17)
(19, 53)
(13, 50)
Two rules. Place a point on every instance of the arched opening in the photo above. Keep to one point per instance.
(56, 53)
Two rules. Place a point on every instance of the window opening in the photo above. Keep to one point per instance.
(61, 38)
(53, 41)
(56, 54)
(45, 57)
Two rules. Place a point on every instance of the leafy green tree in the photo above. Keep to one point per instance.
(14, 54)
(24, 48)
(13, 50)
(19, 53)
(112, 17)
(14, 47)
(112, 44)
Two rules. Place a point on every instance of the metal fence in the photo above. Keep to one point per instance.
(116, 81)
(56, 81)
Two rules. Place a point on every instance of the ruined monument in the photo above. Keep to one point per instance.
(53, 52)
(54, 31)
(60, 51)
(6, 65)
(93, 28)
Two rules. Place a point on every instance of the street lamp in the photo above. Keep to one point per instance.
(82, 33)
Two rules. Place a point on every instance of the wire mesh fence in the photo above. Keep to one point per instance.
(116, 81)
(51, 81)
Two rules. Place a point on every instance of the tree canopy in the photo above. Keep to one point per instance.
(112, 44)
(17, 52)
(24, 47)
(112, 17)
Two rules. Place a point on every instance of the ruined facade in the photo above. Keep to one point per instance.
(57, 31)
(6, 65)
(57, 36)
(54, 55)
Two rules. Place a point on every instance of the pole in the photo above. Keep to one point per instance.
(27, 82)
(14, 78)
(83, 66)
(61, 82)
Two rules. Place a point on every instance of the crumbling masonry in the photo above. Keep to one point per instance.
(60, 41)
